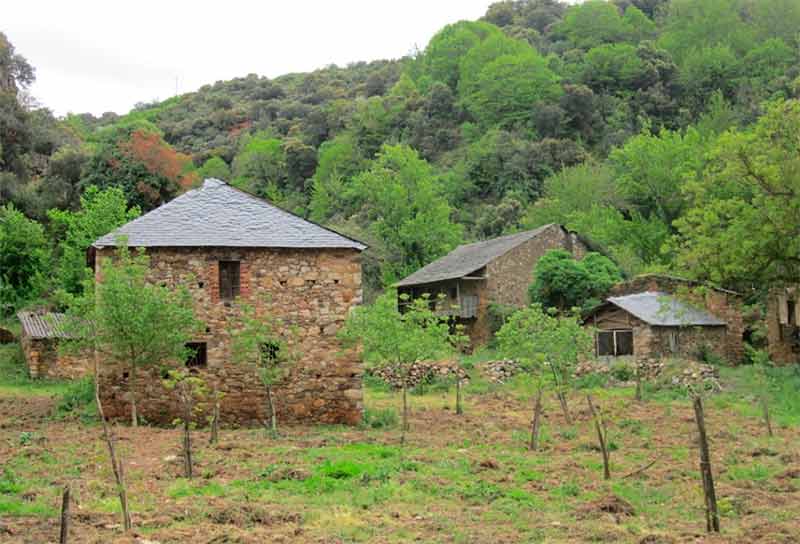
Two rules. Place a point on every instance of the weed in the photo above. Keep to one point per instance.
(380, 418)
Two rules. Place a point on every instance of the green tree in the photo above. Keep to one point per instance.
(215, 167)
(261, 342)
(441, 60)
(743, 225)
(260, 166)
(398, 197)
(397, 339)
(563, 282)
(545, 344)
(130, 321)
(597, 22)
(190, 390)
(100, 213)
(24, 258)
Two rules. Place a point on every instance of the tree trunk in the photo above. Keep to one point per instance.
(765, 410)
(132, 391)
(271, 407)
(405, 416)
(712, 514)
(562, 397)
(187, 449)
(459, 409)
(638, 382)
(536, 422)
(64, 534)
(215, 422)
(116, 464)
(600, 427)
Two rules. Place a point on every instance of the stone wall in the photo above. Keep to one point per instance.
(311, 291)
(44, 360)
(780, 342)
(724, 304)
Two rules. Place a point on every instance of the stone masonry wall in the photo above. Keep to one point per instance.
(44, 360)
(780, 346)
(310, 290)
(726, 305)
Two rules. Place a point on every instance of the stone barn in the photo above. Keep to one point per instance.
(783, 325)
(473, 276)
(41, 333)
(227, 246)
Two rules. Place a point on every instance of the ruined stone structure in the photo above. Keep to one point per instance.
(41, 333)
(228, 247)
(783, 325)
(499, 271)
(654, 316)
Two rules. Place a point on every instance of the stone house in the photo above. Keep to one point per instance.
(655, 316)
(783, 325)
(227, 247)
(497, 271)
(41, 333)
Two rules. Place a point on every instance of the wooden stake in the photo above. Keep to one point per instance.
(600, 427)
(765, 410)
(459, 409)
(64, 536)
(536, 422)
(712, 514)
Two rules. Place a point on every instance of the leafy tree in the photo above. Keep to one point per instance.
(597, 22)
(397, 339)
(262, 342)
(129, 321)
(190, 390)
(339, 159)
(24, 257)
(215, 167)
(441, 60)
(707, 70)
(101, 212)
(545, 344)
(260, 165)
(398, 197)
(563, 282)
(744, 218)
(614, 67)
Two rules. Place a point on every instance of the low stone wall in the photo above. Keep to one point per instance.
(44, 360)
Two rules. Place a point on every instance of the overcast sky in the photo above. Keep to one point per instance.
(96, 56)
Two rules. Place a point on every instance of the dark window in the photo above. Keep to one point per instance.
(605, 343)
(790, 310)
(614, 343)
(228, 280)
(624, 342)
(453, 293)
(198, 356)
(269, 352)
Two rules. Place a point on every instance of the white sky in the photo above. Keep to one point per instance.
(97, 56)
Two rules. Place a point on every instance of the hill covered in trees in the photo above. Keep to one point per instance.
(664, 130)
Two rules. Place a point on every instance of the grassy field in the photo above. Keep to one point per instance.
(465, 478)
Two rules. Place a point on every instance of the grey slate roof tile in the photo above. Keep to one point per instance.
(468, 258)
(218, 215)
(662, 309)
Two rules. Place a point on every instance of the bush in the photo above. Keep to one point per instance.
(497, 315)
(380, 418)
(623, 371)
(78, 400)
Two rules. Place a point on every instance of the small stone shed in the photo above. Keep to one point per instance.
(783, 325)
(473, 276)
(41, 333)
(227, 247)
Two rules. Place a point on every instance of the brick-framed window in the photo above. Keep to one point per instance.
(198, 355)
(229, 280)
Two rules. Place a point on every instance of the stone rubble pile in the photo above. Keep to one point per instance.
(693, 373)
(421, 372)
(502, 370)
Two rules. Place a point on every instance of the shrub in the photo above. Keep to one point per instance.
(78, 400)
(623, 371)
(380, 418)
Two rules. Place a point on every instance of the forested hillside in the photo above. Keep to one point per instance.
(665, 131)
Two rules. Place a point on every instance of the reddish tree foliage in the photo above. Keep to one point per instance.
(160, 158)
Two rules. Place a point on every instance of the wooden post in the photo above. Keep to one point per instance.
(765, 410)
(64, 536)
(712, 514)
(536, 422)
(601, 437)
(459, 409)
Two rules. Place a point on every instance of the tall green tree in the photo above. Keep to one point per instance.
(563, 282)
(24, 258)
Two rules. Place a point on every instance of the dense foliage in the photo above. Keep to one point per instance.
(562, 282)
(621, 119)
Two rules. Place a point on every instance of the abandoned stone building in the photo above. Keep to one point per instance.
(41, 333)
(656, 316)
(783, 325)
(474, 276)
(227, 246)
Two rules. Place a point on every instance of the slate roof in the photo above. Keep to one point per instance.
(218, 215)
(43, 325)
(662, 309)
(468, 258)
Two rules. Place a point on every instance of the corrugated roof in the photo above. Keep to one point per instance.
(468, 258)
(218, 215)
(43, 325)
(662, 309)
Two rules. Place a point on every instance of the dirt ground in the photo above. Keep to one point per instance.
(466, 478)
